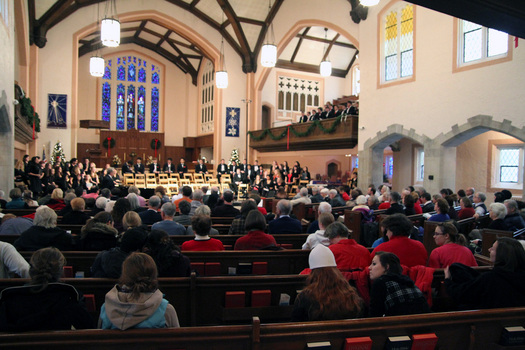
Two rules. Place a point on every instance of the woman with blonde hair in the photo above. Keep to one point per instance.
(136, 301)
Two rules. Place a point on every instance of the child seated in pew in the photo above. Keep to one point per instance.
(45, 303)
(136, 301)
(167, 256)
(328, 295)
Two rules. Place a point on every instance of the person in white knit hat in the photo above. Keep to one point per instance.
(324, 285)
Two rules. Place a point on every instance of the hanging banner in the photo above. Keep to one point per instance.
(57, 111)
(232, 121)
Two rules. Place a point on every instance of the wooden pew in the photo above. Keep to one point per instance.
(280, 262)
(489, 237)
(479, 329)
(19, 212)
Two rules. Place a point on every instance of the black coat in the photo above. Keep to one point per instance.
(38, 237)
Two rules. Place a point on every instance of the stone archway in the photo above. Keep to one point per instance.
(371, 158)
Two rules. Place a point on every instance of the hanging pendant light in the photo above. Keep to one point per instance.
(221, 76)
(269, 50)
(369, 2)
(110, 26)
(326, 65)
(96, 66)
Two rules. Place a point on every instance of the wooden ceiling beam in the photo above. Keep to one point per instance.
(329, 48)
(251, 21)
(140, 29)
(269, 19)
(301, 37)
(327, 41)
(310, 68)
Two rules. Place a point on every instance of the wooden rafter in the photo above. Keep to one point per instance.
(301, 38)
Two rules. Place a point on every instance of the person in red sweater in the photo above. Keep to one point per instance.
(466, 211)
(386, 201)
(348, 254)
(255, 239)
(201, 225)
(409, 251)
(451, 248)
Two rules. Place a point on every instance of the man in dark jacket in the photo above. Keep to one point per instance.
(151, 216)
(76, 216)
(284, 224)
(227, 209)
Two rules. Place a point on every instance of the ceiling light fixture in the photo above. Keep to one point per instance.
(326, 65)
(221, 76)
(110, 26)
(369, 2)
(96, 62)
(269, 50)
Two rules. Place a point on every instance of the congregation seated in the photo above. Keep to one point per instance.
(135, 190)
(108, 263)
(76, 216)
(255, 238)
(16, 201)
(441, 206)
(451, 248)
(167, 256)
(167, 224)
(98, 233)
(120, 207)
(238, 225)
(466, 211)
(14, 225)
(184, 217)
(151, 216)
(395, 205)
(327, 295)
(497, 213)
(201, 225)
(335, 199)
(426, 203)
(45, 303)
(134, 203)
(202, 210)
(303, 197)
(397, 228)
(514, 221)
(348, 254)
(136, 301)
(503, 286)
(393, 293)
(319, 237)
(186, 196)
(284, 224)
(226, 209)
(44, 233)
(316, 195)
(196, 201)
(68, 197)
(324, 207)
(12, 264)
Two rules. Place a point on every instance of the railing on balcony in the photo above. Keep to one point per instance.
(325, 134)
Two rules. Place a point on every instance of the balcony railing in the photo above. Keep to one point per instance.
(325, 134)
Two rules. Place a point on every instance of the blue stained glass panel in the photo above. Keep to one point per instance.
(155, 109)
(152, 67)
(107, 73)
(142, 75)
(121, 73)
(130, 112)
(131, 72)
(155, 78)
(118, 60)
(121, 91)
(145, 64)
(141, 108)
(106, 102)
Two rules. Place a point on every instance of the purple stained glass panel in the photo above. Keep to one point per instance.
(131, 72)
(155, 78)
(106, 102)
(107, 73)
(141, 108)
(142, 75)
(121, 73)
(130, 112)
(155, 109)
(121, 91)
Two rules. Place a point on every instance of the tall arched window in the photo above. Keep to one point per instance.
(356, 80)
(397, 49)
(207, 95)
(130, 93)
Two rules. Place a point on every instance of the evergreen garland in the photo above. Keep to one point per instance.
(28, 111)
(111, 141)
(308, 132)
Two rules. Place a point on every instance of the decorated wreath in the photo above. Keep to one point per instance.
(155, 144)
(108, 141)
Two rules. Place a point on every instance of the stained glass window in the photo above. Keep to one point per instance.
(121, 73)
(121, 91)
(107, 70)
(132, 107)
(131, 72)
(130, 111)
(398, 43)
(155, 109)
(155, 78)
(106, 102)
(142, 75)
(141, 108)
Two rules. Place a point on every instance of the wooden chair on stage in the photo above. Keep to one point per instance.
(303, 183)
(173, 189)
(129, 179)
(140, 180)
(184, 182)
(175, 176)
(224, 187)
(242, 190)
(151, 181)
(198, 179)
(226, 178)
(163, 180)
(213, 181)
(188, 176)
(208, 177)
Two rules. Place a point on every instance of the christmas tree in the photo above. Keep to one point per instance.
(58, 154)
(234, 157)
